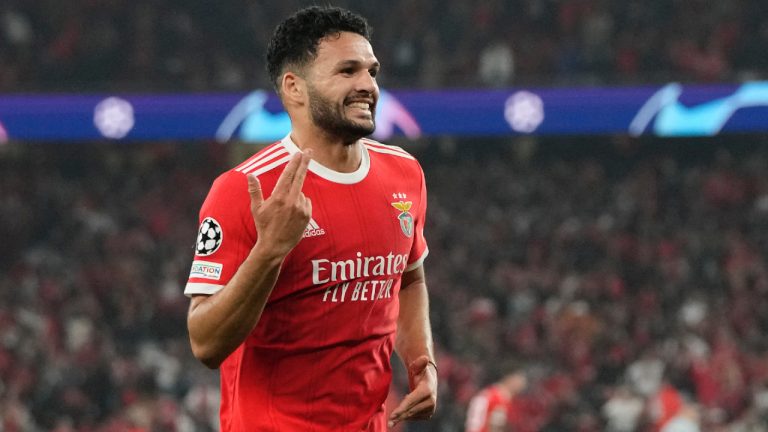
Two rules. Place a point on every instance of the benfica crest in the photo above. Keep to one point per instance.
(406, 220)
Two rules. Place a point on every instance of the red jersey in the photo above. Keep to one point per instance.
(489, 410)
(665, 406)
(319, 358)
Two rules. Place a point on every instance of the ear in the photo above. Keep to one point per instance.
(293, 87)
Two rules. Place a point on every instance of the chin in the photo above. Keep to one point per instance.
(360, 131)
(365, 127)
(368, 130)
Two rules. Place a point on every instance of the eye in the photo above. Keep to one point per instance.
(373, 72)
(347, 71)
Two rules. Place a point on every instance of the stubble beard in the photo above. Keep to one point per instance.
(331, 119)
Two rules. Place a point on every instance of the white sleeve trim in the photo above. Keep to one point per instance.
(201, 288)
(416, 264)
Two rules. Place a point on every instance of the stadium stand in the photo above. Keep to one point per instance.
(170, 46)
(597, 262)
(611, 266)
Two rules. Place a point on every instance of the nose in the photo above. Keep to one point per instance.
(366, 83)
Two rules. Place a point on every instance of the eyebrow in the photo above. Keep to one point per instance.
(355, 63)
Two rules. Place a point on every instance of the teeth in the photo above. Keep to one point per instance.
(361, 105)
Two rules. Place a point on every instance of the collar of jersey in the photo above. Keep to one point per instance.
(334, 176)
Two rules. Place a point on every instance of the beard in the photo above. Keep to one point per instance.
(332, 119)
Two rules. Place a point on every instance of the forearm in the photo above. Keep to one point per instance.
(414, 333)
(219, 323)
(413, 345)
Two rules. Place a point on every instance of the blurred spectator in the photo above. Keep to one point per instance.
(496, 64)
(122, 45)
(623, 410)
(496, 408)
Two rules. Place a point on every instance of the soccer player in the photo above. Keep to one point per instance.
(308, 265)
(493, 409)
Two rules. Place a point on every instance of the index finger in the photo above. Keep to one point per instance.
(284, 182)
(301, 172)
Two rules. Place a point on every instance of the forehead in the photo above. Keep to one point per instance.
(344, 47)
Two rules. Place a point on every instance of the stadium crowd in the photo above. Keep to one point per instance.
(610, 268)
(614, 269)
(142, 45)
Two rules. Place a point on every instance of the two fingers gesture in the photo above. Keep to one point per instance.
(281, 219)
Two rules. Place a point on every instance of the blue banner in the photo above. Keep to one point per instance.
(669, 110)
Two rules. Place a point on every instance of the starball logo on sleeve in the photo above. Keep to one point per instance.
(209, 237)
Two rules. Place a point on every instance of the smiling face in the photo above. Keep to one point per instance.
(341, 86)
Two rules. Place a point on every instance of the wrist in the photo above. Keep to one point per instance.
(434, 365)
(267, 253)
(421, 364)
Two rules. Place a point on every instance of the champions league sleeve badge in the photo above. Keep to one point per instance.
(209, 237)
(405, 217)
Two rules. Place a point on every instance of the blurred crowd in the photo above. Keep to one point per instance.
(143, 45)
(631, 279)
(97, 240)
(628, 277)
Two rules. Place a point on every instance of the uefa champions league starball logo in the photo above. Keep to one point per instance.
(209, 237)
(524, 111)
(114, 117)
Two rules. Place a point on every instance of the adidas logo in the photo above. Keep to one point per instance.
(313, 229)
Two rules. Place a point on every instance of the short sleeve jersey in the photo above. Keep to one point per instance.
(665, 405)
(318, 360)
(488, 410)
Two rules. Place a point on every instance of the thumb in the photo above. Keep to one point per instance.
(416, 368)
(254, 190)
(418, 365)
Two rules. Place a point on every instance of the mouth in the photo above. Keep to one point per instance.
(365, 107)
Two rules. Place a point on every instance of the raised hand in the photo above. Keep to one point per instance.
(282, 218)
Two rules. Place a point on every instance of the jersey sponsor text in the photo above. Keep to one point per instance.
(324, 271)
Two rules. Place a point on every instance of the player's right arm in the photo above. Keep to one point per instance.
(220, 322)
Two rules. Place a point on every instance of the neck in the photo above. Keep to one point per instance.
(329, 150)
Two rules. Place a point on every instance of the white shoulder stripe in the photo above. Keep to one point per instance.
(419, 262)
(264, 168)
(263, 157)
(201, 288)
(371, 142)
(258, 156)
(402, 154)
(264, 161)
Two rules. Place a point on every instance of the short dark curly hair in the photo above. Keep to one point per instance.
(295, 40)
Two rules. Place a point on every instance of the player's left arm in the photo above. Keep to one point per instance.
(413, 345)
